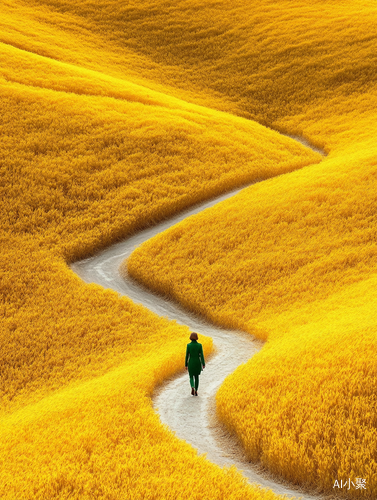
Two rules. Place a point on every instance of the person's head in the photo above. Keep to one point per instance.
(194, 336)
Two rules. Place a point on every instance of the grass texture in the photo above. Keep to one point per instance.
(115, 116)
(293, 260)
(89, 154)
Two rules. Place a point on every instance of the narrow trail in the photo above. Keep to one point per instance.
(192, 418)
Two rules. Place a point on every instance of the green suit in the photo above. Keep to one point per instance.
(194, 358)
(194, 361)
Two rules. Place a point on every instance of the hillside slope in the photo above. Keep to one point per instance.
(88, 157)
(118, 115)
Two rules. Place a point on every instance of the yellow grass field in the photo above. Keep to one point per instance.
(114, 116)
(293, 260)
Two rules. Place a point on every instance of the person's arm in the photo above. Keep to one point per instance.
(187, 357)
(202, 356)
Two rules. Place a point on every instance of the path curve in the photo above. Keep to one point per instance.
(192, 418)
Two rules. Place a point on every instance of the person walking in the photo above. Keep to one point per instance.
(194, 362)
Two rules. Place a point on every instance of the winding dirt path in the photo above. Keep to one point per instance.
(192, 418)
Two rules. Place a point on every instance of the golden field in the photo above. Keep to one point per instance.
(114, 116)
(293, 261)
(87, 157)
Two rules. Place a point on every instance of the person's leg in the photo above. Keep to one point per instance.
(196, 382)
(192, 381)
